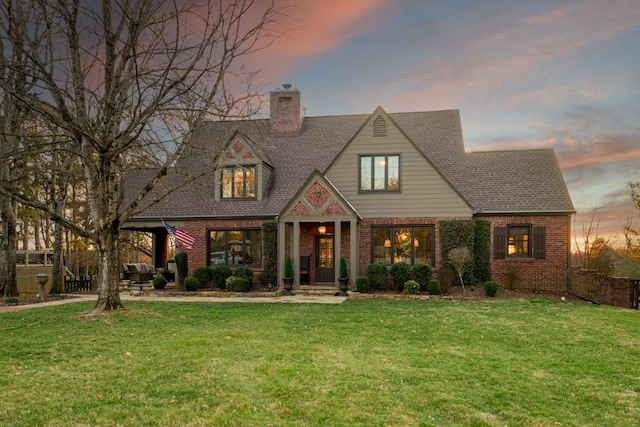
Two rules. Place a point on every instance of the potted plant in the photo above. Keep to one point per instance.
(288, 276)
(344, 276)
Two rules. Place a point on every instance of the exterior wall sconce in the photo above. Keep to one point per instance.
(322, 229)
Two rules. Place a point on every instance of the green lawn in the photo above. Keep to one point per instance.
(362, 363)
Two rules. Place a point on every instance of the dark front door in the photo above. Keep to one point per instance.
(325, 271)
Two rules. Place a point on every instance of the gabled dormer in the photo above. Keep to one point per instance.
(241, 172)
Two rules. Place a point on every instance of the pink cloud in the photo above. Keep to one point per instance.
(317, 27)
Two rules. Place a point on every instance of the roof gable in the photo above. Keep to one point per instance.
(318, 199)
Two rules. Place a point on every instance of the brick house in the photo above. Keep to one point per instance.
(370, 187)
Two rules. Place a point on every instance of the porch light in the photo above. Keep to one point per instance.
(322, 229)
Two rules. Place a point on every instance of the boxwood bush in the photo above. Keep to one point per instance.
(362, 284)
(434, 287)
(377, 274)
(244, 272)
(411, 287)
(491, 288)
(238, 284)
(190, 284)
(159, 282)
(401, 272)
(204, 276)
(220, 275)
(422, 273)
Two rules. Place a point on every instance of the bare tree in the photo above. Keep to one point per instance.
(594, 251)
(15, 82)
(134, 75)
(459, 258)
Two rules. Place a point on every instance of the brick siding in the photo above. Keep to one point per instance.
(549, 274)
(600, 287)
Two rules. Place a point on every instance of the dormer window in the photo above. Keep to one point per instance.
(239, 182)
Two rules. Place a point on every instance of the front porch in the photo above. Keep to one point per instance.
(315, 229)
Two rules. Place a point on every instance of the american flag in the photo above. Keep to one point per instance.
(185, 239)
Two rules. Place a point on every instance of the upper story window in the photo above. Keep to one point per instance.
(380, 173)
(239, 182)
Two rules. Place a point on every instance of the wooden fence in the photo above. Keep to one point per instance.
(80, 284)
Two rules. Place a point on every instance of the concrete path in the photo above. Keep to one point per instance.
(127, 297)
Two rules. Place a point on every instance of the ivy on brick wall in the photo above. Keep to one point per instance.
(475, 235)
(270, 261)
(482, 250)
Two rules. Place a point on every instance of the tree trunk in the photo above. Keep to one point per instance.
(8, 273)
(108, 271)
(57, 276)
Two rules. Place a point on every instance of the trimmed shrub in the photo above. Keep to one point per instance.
(238, 284)
(269, 276)
(182, 265)
(481, 250)
(378, 276)
(411, 287)
(344, 272)
(288, 267)
(434, 287)
(220, 275)
(491, 288)
(401, 272)
(244, 272)
(190, 284)
(159, 282)
(12, 300)
(422, 273)
(362, 284)
(204, 276)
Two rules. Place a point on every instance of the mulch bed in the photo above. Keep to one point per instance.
(29, 299)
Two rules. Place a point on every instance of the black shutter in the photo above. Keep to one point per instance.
(539, 242)
(499, 242)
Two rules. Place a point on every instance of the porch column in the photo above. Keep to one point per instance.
(354, 247)
(295, 256)
(281, 250)
(337, 251)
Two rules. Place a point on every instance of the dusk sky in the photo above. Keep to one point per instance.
(524, 74)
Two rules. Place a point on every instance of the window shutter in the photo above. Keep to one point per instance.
(499, 242)
(539, 242)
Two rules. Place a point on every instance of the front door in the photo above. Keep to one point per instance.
(325, 270)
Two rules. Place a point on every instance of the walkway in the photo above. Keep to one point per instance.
(127, 296)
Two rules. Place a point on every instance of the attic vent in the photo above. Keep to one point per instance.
(379, 127)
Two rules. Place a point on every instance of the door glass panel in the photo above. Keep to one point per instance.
(326, 252)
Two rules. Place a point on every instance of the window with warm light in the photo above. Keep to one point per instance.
(518, 244)
(410, 244)
(239, 182)
(380, 173)
(235, 247)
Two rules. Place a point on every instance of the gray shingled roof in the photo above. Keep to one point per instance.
(491, 182)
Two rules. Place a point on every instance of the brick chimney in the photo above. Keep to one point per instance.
(286, 111)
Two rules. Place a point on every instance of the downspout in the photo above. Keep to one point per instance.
(569, 253)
